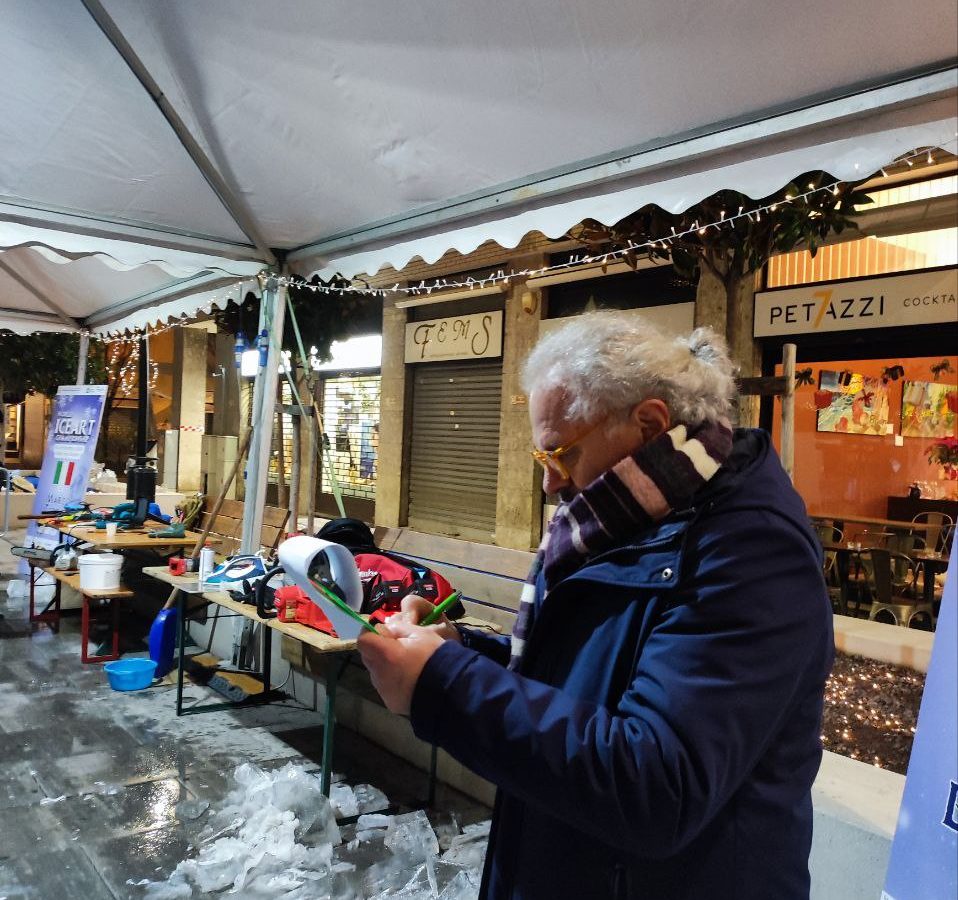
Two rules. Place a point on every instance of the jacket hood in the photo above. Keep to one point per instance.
(753, 479)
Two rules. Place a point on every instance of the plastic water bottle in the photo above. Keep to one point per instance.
(262, 344)
(207, 562)
(239, 348)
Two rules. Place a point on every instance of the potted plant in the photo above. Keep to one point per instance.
(945, 454)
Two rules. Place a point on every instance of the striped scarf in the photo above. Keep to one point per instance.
(635, 493)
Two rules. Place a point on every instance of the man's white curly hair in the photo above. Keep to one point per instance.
(606, 362)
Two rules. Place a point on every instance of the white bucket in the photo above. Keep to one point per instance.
(100, 571)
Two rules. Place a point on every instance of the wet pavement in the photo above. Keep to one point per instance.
(91, 779)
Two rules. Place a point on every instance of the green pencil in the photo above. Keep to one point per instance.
(341, 605)
(437, 611)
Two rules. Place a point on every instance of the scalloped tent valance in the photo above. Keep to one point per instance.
(153, 155)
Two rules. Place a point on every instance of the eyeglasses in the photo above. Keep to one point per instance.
(551, 459)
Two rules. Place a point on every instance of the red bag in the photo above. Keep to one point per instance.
(387, 578)
(293, 605)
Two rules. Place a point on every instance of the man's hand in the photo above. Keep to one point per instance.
(415, 608)
(395, 659)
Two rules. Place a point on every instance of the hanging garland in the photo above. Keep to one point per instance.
(660, 247)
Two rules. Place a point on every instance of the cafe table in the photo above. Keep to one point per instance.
(133, 539)
(932, 564)
(840, 518)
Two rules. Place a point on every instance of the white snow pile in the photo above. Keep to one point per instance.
(276, 837)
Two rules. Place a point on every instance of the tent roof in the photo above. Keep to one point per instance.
(356, 135)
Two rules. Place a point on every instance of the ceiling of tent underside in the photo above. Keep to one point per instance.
(324, 119)
(328, 116)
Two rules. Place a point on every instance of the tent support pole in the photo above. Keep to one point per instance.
(196, 153)
(313, 475)
(788, 410)
(295, 470)
(84, 351)
(143, 396)
(43, 298)
(272, 318)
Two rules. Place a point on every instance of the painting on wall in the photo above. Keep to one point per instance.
(928, 409)
(850, 403)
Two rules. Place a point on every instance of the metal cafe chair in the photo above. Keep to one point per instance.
(894, 597)
(856, 596)
(835, 579)
(937, 521)
(904, 542)
(947, 539)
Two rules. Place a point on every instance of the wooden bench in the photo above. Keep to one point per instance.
(51, 614)
(228, 526)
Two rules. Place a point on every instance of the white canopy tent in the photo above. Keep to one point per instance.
(153, 154)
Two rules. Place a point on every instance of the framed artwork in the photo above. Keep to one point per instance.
(850, 403)
(928, 409)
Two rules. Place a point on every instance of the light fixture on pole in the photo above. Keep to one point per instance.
(249, 363)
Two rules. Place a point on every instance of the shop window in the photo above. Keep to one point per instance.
(351, 418)
(12, 429)
(875, 255)
(864, 429)
(654, 286)
(286, 397)
(867, 256)
(917, 190)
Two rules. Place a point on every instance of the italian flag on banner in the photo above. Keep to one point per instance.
(64, 472)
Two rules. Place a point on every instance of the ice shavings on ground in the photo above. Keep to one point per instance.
(276, 836)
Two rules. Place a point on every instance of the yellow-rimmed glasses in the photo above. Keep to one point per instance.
(552, 459)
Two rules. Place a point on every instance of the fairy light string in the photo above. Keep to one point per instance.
(424, 289)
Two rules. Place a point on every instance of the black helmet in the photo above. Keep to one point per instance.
(351, 533)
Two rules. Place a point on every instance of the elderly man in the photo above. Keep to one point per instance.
(653, 726)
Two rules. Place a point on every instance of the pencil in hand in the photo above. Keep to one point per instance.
(433, 615)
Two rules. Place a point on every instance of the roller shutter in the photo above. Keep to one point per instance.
(454, 451)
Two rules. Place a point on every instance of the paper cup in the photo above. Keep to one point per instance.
(111, 530)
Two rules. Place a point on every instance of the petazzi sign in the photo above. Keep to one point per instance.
(477, 336)
(887, 301)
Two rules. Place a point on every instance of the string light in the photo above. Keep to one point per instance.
(503, 277)
(126, 376)
(870, 711)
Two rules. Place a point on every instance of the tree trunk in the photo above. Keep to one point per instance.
(727, 306)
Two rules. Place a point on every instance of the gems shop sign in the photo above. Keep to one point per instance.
(477, 336)
(888, 301)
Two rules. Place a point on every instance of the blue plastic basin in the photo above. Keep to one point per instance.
(130, 674)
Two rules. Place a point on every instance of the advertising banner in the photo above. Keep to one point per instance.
(928, 297)
(71, 443)
(478, 336)
(924, 853)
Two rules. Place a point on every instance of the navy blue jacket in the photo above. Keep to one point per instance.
(662, 736)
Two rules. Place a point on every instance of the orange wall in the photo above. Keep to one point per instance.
(855, 473)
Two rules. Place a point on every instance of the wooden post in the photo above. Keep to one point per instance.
(788, 410)
(281, 496)
(294, 472)
(84, 350)
(313, 473)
